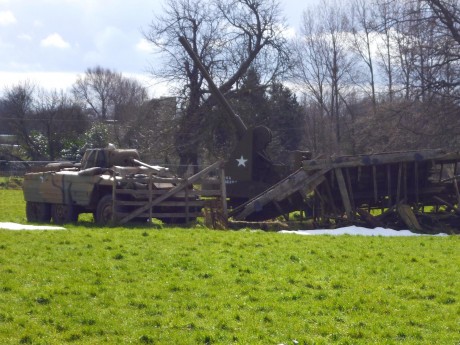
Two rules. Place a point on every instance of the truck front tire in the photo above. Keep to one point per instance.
(104, 210)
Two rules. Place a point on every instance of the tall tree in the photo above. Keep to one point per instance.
(286, 119)
(42, 121)
(108, 95)
(385, 14)
(325, 66)
(96, 89)
(228, 36)
(363, 35)
(18, 104)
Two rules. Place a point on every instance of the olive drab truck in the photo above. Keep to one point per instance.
(61, 191)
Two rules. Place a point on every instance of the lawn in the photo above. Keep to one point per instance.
(90, 285)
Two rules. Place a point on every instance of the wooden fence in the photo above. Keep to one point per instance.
(172, 199)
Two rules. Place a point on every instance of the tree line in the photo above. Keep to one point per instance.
(358, 77)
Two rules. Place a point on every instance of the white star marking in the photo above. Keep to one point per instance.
(242, 161)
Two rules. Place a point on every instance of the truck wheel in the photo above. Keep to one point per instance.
(104, 211)
(38, 212)
(62, 213)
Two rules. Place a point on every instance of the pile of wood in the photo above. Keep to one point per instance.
(412, 189)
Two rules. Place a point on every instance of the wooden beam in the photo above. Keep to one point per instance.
(329, 194)
(223, 193)
(280, 191)
(380, 158)
(171, 192)
(398, 188)
(374, 178)
(442, 201)
(405, 179)
(369, 218)
(150, 196)
(416, 181)
(344, 193)
(350, 188)
(389, 185)
(408, 217)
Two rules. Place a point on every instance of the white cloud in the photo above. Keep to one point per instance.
(65, 80)
(7, 18)
(109, 37)
(47, 80)
(25, 37)
(289, 32)
(54, 40)
(38, 24)
(144, 46)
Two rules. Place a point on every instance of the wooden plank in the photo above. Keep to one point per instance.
(398, 188)
(457, 192)
(344, 193)
(215, 192)
(150, 196)
(186, 206)
(389, 185)
(281, 190)
(408, 217)
(378, 159)
(416, 181)
(405, 179)
(172, 191)
(374, 178)
(164, 214)
(441, 172)
(114, 198)
(455, 209)
(350, 188)
(178, 203)
(329, 194)
(223, 193)
(144, 194)
(369, 218)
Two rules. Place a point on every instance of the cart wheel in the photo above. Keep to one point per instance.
(38, 212)
(62, 213)
(104, 211)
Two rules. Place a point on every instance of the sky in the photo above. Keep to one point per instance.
(50, 42)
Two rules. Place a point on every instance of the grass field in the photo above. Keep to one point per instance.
(90, 285)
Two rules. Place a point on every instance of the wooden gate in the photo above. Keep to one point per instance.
(170, 199)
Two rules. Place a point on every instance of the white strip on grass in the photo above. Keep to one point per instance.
(355, 230)
(16, 226)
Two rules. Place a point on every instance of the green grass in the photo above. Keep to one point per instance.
(10, 182)
(90, 285)
(12, 206)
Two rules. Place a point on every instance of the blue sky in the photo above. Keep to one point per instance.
(49, 42)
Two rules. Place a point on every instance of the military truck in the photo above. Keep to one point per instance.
(61, 191)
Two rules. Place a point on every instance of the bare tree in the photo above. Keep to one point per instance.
(96, 89)
(310, 73)
(385, 14)
(363, 36)
(109, 95)
(228, 36)
(448, 14)
(324, 64)
(18, 106)
(59, 121)
(42, 121)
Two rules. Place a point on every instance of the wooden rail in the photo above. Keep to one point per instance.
(169, 199)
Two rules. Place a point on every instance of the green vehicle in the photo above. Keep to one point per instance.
(61, 191)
